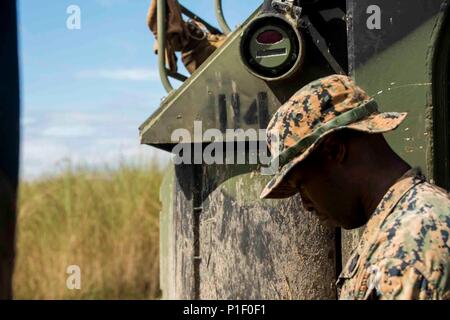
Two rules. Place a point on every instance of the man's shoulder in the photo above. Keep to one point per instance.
(420, 221)
(416, 234)
(426, 205)
(407, 256)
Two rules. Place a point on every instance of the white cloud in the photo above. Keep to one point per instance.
(49, 156)
(114, 151)
(70, 131)
(92, 138)
(39, 156)
(125, 74)
(87, 138)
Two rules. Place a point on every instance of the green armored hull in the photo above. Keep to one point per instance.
(218, 239)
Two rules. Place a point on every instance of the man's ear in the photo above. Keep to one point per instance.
(335, 149)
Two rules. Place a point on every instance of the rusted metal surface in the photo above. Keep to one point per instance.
(183, 226)
(247, 248)
(264, 249)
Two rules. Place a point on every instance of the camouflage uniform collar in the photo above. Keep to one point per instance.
(405, 183)
(395, 193)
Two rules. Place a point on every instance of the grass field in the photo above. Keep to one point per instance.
(105, 221)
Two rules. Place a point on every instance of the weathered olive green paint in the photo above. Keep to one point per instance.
(394, 65)
(167, 244)
(182, 234)
(399, 75)
(253, 249)
(197, 98)
(249, 248)
(224, 75)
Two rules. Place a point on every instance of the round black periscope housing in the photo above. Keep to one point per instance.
(294, 55)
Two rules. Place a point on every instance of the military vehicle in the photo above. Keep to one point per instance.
(218, 239)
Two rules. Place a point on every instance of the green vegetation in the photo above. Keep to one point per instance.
(105, 221)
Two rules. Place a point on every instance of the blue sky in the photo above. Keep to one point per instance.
(85, 92)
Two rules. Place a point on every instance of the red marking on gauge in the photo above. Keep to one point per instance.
(269, 37)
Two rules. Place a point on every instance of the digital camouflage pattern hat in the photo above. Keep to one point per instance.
(320, 108)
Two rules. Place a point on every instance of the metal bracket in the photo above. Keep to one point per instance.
(288, 8)
(321, 44)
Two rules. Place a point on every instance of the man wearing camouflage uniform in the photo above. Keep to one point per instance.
(328, 143)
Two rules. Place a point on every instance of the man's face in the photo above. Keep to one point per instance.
(327, 190)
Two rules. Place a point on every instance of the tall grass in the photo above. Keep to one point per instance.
(105, 221)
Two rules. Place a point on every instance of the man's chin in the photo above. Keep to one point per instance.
(327, 221)
(352, 226)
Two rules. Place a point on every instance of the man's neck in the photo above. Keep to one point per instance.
(380, 180)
